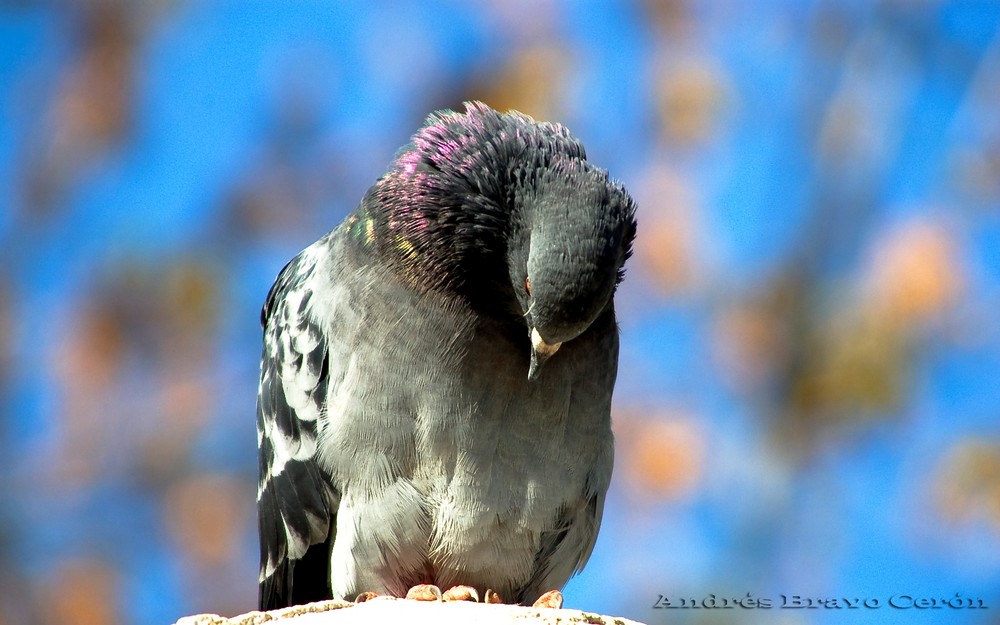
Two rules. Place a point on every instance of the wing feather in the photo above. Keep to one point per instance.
(296, 499)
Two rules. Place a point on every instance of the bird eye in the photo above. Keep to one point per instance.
(527, 286)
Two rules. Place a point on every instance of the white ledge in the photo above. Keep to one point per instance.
(391, 610)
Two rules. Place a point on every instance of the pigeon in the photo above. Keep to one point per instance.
(434, 406)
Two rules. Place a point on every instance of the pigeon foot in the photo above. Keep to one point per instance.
(551, 599)
(424, 592)
(492, 597)
(461, 593)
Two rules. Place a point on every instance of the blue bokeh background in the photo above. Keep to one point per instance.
(809, 390)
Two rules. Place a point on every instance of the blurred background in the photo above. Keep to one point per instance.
(809, 394)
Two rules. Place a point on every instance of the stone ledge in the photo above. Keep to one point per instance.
(391, 610)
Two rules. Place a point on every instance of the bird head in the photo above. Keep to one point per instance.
(475, 189)
(568, 253)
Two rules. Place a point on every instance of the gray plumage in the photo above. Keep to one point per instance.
(401, 439)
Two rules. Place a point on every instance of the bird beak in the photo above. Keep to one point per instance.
(540, 352)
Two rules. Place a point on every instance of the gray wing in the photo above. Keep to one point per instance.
(564, 550)
(296, 499)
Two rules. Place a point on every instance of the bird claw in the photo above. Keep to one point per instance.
(424, 592)
(460, 593)
(551, 599)
(365, 596)
(492, 597)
